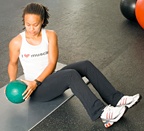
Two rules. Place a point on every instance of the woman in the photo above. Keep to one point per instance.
(37, 50)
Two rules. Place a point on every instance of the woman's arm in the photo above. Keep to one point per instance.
(52, 55)
(14, 48)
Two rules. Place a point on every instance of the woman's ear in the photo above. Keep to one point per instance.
(42, 22)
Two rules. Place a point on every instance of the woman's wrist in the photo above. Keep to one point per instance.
(38, 83)
(11, 80)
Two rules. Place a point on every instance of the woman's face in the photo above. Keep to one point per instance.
(33, 24)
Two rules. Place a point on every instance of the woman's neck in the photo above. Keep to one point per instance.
(34, 39)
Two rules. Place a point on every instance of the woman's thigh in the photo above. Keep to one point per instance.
(53, 86)
(81, 67)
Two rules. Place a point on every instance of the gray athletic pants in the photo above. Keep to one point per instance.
(71, 77)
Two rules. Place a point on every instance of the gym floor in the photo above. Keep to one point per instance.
(87, 29)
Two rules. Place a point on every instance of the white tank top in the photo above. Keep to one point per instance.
(34, 59)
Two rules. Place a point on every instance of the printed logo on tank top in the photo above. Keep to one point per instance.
(34, 55)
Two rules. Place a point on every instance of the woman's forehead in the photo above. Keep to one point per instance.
(32, 17)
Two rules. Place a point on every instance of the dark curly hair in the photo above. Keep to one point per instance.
(38, 9)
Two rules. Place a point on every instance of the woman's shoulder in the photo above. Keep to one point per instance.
(50, 32)
(16, 41)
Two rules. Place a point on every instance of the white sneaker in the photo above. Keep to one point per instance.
(112, 114)
(128, 101)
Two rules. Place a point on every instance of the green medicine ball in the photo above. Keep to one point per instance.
(14, 91)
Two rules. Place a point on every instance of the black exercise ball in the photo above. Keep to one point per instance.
(127, 8)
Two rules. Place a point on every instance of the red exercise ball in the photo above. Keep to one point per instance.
(139, 11)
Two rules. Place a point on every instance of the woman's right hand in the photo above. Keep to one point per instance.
(31, 86)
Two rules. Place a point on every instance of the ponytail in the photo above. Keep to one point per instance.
(46, 16)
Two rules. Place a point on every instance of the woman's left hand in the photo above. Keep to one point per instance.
(31, 86)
